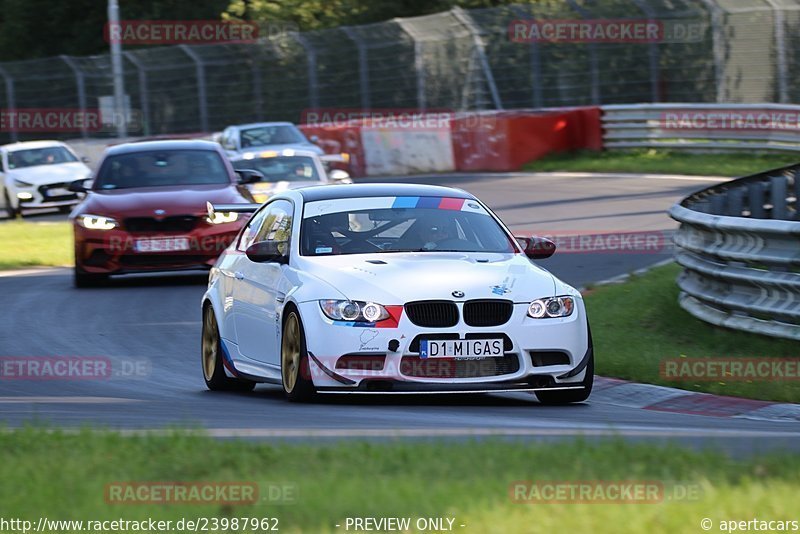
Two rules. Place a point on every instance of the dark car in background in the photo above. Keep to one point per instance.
(145, 209)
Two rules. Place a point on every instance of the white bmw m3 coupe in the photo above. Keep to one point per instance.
(387, 289)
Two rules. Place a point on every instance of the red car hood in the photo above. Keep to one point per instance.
(177, 200)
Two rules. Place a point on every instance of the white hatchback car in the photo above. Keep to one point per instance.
(37, 174)
(390, 288)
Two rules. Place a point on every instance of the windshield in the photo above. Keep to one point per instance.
(282, 168)
(162, 168)
(40, 156)
(282, 134)
(400, 224)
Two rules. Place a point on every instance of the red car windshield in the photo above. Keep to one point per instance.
(161, 168)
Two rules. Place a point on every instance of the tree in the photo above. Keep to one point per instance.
(42, 28)
(319, 14)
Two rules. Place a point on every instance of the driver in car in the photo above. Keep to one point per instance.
(300, 170)
(436, 231)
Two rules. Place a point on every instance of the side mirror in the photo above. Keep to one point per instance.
(249, 176)
(537, 248)
(269, 252)
(340, 176)
(85, 159)
(80, 186)
(314, 139)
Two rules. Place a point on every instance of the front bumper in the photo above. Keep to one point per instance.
(538, 354)
(114, 251)
(43, 197)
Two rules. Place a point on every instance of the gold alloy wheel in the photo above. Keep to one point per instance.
(290, 353)
(210, 344)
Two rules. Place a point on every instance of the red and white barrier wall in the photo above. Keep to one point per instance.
(486, 141)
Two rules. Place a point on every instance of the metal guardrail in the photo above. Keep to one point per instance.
(702, 126)
(739, 246)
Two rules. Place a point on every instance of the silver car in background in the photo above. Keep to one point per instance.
(278, 136)
(286, 169)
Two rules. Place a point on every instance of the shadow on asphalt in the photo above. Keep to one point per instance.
(161, 279)
(191, 278)
(39, 216)
(274, 393)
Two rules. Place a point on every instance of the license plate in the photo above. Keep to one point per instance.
(58, 192)
(167, 244)
(461, 348)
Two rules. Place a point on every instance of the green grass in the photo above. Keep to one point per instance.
(26, 244)
(662, 162)
(637, 324)
(64, 477)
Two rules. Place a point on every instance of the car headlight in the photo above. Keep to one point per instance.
(551, 307)
(221, 217)
(96, 222)
(20, 183)
(353, 310)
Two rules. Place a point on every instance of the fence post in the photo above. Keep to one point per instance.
(718, 47)
(311, 57)
(536, 65)
(594, 69)
(419, 63)
(796, 182)
(652, 52)
(258, 90)
(144, 97)
(9, 81)
(363, 67)
(780, 50)
(80, 81)
(480, 48)
(778, 196)
(201, 86)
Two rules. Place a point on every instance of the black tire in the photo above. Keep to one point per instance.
(11, 211)
(570, 396)
(295, 375)
(82, 279)
(211, 358)
(64, 209)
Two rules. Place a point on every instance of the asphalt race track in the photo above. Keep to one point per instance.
(154, 322)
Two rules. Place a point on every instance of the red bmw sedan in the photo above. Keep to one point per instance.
(145, 209)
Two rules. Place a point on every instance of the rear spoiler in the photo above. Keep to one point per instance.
(228, 208)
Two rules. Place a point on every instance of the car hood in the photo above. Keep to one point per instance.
(406, 277)
(289, 146)
(263, 190)
(174, 200)
(51, 174)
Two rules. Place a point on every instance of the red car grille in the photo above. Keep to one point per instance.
(175, 223)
